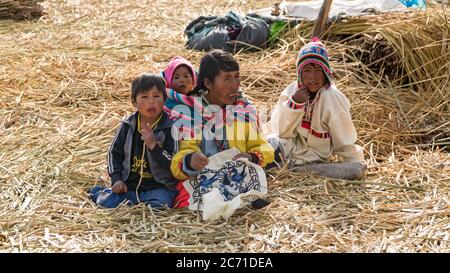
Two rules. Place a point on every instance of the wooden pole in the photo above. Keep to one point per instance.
(322, 18)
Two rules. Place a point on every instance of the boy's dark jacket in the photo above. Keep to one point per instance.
(159, 159)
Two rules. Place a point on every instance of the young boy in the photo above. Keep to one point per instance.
(312, 117)
(140, 154)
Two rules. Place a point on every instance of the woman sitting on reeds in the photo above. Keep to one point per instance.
(222, 120)
(312, 119)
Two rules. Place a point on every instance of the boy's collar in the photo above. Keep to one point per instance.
(153, 126)
(163, 123)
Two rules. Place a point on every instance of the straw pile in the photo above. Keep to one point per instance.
(64, 84)
(20, 9)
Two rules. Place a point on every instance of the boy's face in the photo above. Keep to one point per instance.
(313, 77)
(149, 103)
(182, 80)
(225, 88)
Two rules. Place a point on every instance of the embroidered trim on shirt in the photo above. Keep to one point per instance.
(260, 157)
(294, 105)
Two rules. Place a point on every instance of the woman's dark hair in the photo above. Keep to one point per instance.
(210, 66)
(145, 82)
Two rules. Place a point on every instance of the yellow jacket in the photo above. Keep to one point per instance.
(241, 135)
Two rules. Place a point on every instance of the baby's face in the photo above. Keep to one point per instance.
(313, 77)
(182, 81)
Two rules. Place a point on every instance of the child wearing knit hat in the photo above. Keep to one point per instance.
(311, 120)
(180, 77)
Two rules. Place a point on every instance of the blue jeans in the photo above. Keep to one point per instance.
(157, 198)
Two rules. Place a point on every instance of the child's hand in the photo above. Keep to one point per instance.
(199, 161)
(301, 95)
(148, 137)
(119, 187)
(243, 155)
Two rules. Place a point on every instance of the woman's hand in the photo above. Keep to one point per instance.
(199, 161)
(243, 155)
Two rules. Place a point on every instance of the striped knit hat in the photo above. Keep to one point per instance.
(316, 53)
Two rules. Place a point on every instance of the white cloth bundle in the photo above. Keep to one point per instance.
(310, 10)
(225, 185)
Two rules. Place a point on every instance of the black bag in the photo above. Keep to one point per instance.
(230, 33)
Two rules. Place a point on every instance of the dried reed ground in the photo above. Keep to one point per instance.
(64, 84)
